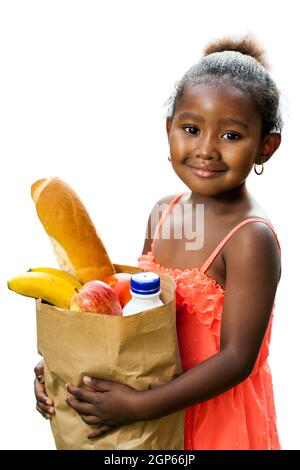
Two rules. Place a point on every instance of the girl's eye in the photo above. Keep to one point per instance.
(193, 130)
(231, 136)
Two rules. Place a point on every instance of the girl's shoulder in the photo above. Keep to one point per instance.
(254, 240)
(153, 220)
(162, 204)
(255, 245)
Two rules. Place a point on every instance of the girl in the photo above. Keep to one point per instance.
(223, 120)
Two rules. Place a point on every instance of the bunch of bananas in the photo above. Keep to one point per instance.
(52, 285)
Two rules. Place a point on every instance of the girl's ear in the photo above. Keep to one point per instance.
(168, 126)
(270, 144)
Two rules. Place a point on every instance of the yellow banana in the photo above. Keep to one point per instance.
(46, 286)
(59, 273)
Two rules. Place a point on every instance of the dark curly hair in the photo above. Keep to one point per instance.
(241, 63)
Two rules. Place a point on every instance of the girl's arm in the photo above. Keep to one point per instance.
(252, 274)
(253, 268)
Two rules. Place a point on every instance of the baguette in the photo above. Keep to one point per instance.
(77, 247)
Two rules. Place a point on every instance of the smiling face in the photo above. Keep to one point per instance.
(215, 138)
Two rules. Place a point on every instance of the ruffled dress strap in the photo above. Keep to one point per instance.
(217, 250)
(164, 215)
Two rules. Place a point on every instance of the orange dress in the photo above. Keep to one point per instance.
(243, 418)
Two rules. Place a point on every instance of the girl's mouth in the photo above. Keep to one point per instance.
(206, 173)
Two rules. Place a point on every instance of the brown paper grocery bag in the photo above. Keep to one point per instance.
(140, 350)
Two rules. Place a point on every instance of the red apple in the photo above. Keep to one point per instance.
(96, 297)
(120, 283)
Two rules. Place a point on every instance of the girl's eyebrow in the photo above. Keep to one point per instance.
(233, 121)
(196, 117)
(189, 115)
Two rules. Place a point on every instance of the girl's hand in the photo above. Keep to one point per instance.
(104, 404)
(43, 404)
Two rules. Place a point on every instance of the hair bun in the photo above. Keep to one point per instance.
(246, 45)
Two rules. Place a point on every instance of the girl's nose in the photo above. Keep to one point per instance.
(207, 148)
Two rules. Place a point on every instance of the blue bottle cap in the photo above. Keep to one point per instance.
(145, 283)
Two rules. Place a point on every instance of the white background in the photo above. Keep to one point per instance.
(82, 89)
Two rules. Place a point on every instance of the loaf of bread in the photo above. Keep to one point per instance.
(77, 247)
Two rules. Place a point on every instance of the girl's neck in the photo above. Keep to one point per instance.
(237, 199)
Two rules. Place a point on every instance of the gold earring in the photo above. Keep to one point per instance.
(169, 158)
(262, 168)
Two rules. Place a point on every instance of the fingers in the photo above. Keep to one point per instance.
(45, 411)
(40, 379)
(44, 404)
(40, 393)
(80, 393)
(97, 384)
(82, 408)
(39, 369)
(99, 431)
(89, 419)
(42, 412)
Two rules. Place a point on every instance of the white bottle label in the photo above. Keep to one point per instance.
(138, 305)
